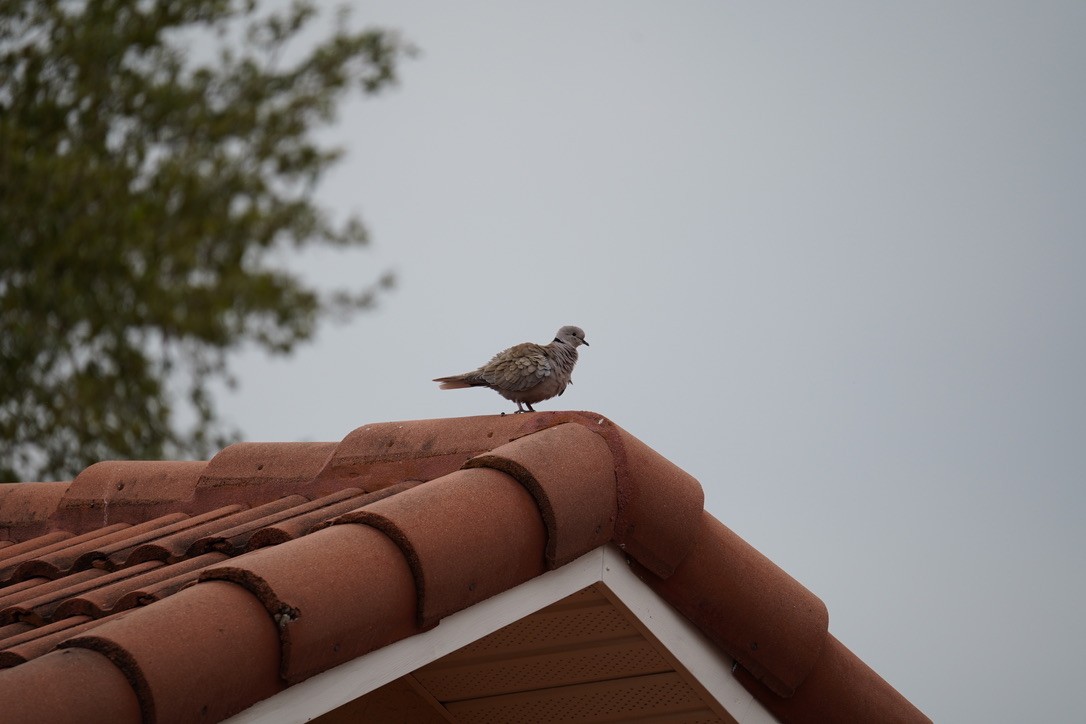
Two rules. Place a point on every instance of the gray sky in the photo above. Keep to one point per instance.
(830, 258)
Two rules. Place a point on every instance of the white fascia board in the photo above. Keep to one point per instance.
(348, 681)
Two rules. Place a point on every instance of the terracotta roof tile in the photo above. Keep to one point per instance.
(366, 598)
(75, 685)
(44, 546)
(21, 606)
(45, 599)
(31, 506)
(659, 505)
(372, 456)
(188, 591)
(222, 655)
(307, 517)
(830, 693)
(257, 472)
(144, 583)
(7, 631)
(575, 493)
(11, 556)
(502, 550)
(40, 640)
(125, 492)
(375, 456)
(176, 544)
(18, 591)
(84, 554)
(752, 609)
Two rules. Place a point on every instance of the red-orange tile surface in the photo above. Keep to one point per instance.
(187, 591)
(659, 505)
(255, 472)
(497, 537)
(41, 640)
(841, 689)
(126, 492)
(70, 685)
(83, 555)
(177, 544)
(29, 507)
(309, 516)
(751, 608)
(366, 598)
(575, 493)
(222, 655)
(38, 549)
(146, 583)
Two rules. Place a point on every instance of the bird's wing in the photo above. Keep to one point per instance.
(518, 368)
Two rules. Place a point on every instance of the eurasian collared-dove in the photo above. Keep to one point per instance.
(528, 372)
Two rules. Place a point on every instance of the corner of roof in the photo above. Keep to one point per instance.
(565, 484)
(644, 502)
(762, 617)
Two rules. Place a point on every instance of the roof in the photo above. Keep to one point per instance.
(189, 591)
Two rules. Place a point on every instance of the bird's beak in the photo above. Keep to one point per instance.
(585, 343)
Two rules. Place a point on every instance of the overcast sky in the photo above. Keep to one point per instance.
(830, 258)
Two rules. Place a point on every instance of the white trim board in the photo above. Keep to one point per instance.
(607, 565)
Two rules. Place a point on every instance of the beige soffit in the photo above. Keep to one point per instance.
(702, 667)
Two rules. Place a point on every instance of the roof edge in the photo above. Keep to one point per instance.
(767, 620)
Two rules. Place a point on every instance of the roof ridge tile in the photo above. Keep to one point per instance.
(257, 472)
(127, 491)
(25, 508)
(761, 616)
(373, 455)
(660, 505)
(830, 693)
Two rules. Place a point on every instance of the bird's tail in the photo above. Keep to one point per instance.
(456, 382)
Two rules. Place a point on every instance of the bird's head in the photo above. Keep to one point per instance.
(573, 336)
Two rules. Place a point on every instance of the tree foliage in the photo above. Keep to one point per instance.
(143, 197)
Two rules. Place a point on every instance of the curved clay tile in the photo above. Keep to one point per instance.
(126, 492)
(257, 472)
(576, 494)
(322, 572)
(365, 600)
(467, 536)
(222, 654)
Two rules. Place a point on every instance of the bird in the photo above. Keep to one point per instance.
(527, 372)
